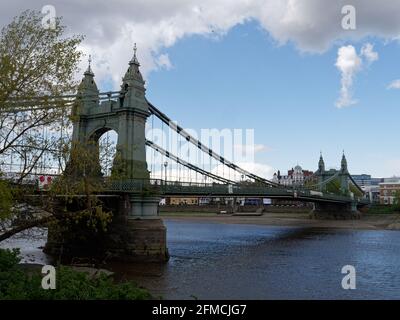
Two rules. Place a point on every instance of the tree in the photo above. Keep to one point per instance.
(397, 201)
(5, 200)
(35, 62)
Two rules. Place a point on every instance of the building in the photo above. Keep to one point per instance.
(388, 191)
(295, 176)
(392, 179)
(366, 180)
(376, 181)
(372, 193)
(362, 179)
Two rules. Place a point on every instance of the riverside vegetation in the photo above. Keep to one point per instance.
(16, 283)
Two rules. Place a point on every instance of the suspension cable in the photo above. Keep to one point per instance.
(186, 164)
(202, 147)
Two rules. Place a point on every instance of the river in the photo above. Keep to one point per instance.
(234, 261)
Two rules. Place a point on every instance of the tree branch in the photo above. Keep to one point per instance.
(25, 226)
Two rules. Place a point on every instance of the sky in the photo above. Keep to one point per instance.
(285, 68)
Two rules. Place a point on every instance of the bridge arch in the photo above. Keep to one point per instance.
(97, 133)
(105, 140)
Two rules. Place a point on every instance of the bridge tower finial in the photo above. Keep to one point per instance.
(89, 71)
(134, 60)
(133, 78)
(88, 84)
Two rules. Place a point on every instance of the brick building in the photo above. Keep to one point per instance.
(388, 192)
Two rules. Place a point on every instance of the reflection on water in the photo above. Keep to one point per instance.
(30, 242)
(226, 261)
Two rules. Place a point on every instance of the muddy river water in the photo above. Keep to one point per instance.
(235, 261)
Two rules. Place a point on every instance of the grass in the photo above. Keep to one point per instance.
(383, 209)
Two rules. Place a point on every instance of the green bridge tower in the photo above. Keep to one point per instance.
(136, 231)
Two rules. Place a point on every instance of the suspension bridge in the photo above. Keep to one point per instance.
(139, 189)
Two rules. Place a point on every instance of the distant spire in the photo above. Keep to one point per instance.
(344, 162)
(89, 69)
(321, 163)
(134, 59)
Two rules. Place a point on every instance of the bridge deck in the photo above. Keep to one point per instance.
(224, 190)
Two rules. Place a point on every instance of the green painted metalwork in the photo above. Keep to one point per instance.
(127, 113)
(127, 116)
(170, 188)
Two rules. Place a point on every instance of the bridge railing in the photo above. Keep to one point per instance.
(196, 188)
(134, 185)
(160, 186)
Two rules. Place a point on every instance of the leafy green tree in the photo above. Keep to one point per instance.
(34, 62)
(397, 201)
(83, 215)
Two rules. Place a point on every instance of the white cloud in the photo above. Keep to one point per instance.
(111, 27)
(395, 84)
(164, 62)
(349, 63)
(367, 51)
(260, 169)
(253, 149)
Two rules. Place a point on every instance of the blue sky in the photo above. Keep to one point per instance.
(245, 80)
(267, 65)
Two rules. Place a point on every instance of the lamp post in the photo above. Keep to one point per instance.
(165, 165)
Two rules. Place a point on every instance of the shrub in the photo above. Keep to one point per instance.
(17, 284)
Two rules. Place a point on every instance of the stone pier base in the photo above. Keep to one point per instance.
(136, 233)
(332, 211)
(139, 240)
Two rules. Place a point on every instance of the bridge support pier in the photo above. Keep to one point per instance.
(234, 206)
(335, 211)
(135, 234)
(141, 234)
